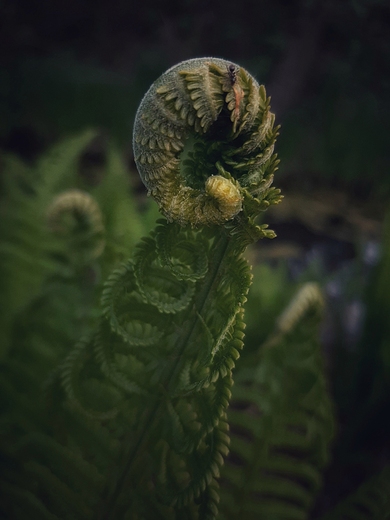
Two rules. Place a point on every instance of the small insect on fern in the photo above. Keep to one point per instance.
(232, 72)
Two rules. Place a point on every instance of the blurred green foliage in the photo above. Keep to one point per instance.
(31, 255)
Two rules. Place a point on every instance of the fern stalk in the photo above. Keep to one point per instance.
(109, 508)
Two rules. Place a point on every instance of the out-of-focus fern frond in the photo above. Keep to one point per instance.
(25, 241)
(52, 237)
(124, 222)
(281, 421)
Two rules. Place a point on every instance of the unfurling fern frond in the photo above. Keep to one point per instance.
(184, 351)
(281, 422)
(172, 324)
(196, 142)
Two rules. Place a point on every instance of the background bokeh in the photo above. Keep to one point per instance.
(68, 66)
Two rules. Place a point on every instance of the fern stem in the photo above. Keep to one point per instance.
(218, 256)
(109, 509)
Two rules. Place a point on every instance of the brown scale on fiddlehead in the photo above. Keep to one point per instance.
(203, 143)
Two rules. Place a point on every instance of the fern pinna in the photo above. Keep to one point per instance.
(136, 426)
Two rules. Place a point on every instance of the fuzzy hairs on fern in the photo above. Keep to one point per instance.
(203, 143)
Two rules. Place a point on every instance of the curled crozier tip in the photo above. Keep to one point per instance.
(75, 213)
(226, 195)
(203, 141)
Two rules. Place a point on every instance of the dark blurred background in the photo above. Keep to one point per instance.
(70, 65)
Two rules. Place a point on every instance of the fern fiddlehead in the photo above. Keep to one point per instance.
(76, 214)
(203, 143)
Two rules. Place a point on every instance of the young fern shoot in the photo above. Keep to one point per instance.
(172, 325)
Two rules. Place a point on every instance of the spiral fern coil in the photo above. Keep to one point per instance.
(204, 140)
